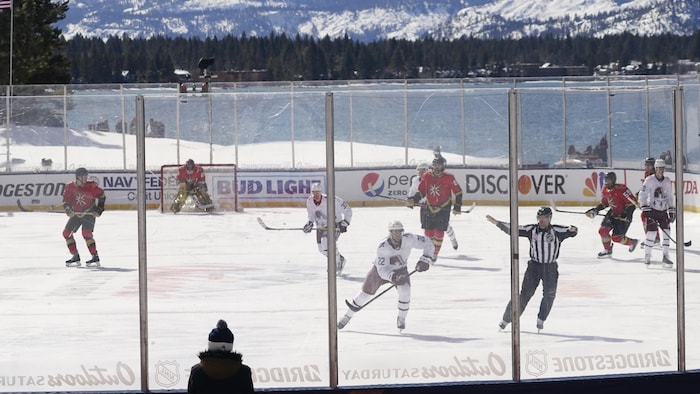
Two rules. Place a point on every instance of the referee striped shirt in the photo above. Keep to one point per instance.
(544, 243)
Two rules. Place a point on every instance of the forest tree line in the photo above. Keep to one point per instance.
(305, 58)
(42, 56)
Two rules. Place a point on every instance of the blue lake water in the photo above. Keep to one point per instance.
(470, 119)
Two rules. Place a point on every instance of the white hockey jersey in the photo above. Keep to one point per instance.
(390, 259)
(319, 213)
(657, 193)
(414, 188)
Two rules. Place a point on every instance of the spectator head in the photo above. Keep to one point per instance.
(221, 338)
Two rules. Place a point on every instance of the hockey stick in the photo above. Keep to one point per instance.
(565, 211)
(391, 198)
(687, 243)
(471, 208)
(266, 227)
(25, 209)
(636, 204)
(355, 308)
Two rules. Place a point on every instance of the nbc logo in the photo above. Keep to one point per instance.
(593, 184)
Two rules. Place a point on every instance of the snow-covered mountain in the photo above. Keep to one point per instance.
(369, 20)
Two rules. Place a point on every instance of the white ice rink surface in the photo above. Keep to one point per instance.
(78, 328)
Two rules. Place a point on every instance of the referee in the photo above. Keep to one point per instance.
(545, 241)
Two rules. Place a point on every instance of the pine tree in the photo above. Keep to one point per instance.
(37, 46)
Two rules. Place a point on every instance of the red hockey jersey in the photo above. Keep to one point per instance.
(83, 198)
(617, 198)
(438, 191)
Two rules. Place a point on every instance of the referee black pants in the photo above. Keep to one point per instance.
(549, 275)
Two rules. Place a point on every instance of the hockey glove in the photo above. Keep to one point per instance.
(308, 227)
(343, 226)
(97, 211)
(591, 213)
(400, 276)
(456, 211)
(69, 210)
(410, 203)
(423, 264)
(671, 215)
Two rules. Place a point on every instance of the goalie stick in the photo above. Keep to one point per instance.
(356, 308)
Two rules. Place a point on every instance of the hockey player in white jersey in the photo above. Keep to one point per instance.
(422, 168)
(317, 209)
(391, 266)
(658, 207)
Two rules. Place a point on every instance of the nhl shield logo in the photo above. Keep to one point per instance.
(536, 362)
(167, 373)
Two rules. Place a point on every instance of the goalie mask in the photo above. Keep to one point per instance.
(189, 166)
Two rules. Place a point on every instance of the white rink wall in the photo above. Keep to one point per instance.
(360, 187)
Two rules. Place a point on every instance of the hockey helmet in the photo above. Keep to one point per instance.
(439, 164)
(610, 176)
(649, 161)
(544, 212)
(189, 166)
(660, 163)
(316, 187)
(395, 226)
(395, 233)
(82, 171)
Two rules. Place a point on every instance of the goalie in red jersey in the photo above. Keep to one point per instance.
(622, 203)
(83, 201)
(437, 187)
(191, 181)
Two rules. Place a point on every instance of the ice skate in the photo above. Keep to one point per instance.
(74, 261)
(455, 245)
(633, 245)
(502, 325)
(666, 262)
(605, 254)
(540, 325)
(400, 323)
(93, 262)
(647, 260)
(433, 259)
(343, 322)
(340, 264)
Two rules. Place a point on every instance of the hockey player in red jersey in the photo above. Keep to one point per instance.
(83, 201)
(622, 203)
(191, 181)
(437, 187)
